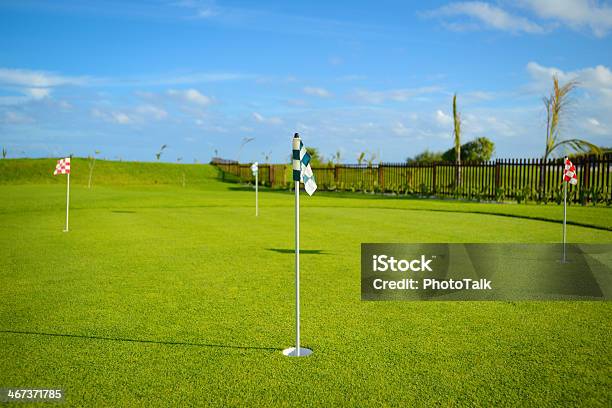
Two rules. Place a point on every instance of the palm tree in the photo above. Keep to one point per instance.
(457, 133)
(245, 140)
(161, 150)
(361, 158)
(337, 157)
(372, 159)
(91, 163)
(556, 106)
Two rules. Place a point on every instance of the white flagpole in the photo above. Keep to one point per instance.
(67, 200)
(564, 216)
(297, 268)
(297, 351)
(256, 193)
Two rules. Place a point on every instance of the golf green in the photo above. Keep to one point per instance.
(165, 295)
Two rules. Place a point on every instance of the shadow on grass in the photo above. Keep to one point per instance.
(382, 197)
(302, 251)
(170, 343)
(123, 211)
(250, 187)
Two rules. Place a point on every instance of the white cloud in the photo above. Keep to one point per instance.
(396, 95)
(597, 127)
(598, 78)
(271, 120)
(15, 118)
(593, 122)
(320, 92)
(120, 118)
(575, 13)
(489, 124)
(192, 96)
(200, 10)
(152, 111)
(37, 79)
(399, 129)
(443, 119)
(206, 13)
(484, 15)
(64, 105)
(38, 93)
(139, 115)
(296, 102)
(35, 85)
(541, 73)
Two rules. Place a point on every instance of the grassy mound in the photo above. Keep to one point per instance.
(106, 172)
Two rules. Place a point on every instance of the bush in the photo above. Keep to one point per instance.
(500, 194)
(424, 190)
(583, 196)
(522, 195)
(558, 194)
(597, 195)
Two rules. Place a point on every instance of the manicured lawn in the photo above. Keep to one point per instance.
(169, 296)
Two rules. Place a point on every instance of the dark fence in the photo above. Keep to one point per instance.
(272, 175)
(502, 179)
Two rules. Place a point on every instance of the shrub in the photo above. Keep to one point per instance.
(597, 195)
(500, 194)
(557, 194)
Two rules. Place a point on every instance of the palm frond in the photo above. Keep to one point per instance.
(556, 105)
(579, 145)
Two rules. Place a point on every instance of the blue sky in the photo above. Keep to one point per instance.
(126, 77)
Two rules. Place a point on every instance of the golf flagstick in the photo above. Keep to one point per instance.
(301, 164)
(63, 167)
(564, 217)
(67, 200)
(569, 176)
(255, 170)
(297, 268)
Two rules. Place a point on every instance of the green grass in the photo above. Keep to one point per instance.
(169, 296)
(115, 173)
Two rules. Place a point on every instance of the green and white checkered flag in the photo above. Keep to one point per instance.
(301, 166)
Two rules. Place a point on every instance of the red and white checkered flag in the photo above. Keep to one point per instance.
(62, 167)
(569, 172)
